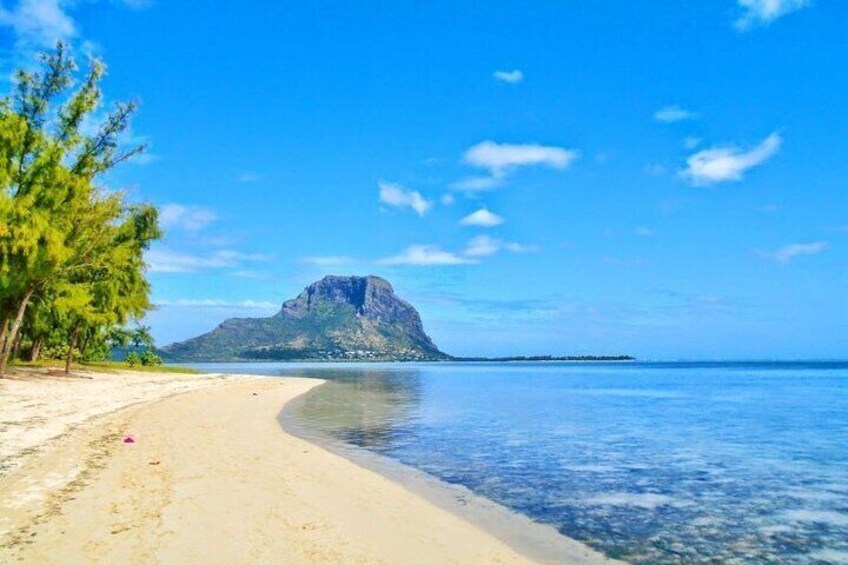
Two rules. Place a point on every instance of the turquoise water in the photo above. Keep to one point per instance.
(649, 462)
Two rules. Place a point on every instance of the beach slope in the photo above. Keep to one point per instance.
(210, 477)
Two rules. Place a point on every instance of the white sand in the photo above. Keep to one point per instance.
(37, 407)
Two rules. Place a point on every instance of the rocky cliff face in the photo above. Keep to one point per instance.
(334, 318)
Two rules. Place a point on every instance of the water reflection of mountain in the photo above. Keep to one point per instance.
(365, 407)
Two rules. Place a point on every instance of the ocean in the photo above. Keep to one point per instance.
(672, 462)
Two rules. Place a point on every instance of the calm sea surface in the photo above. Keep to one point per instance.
(649, 462)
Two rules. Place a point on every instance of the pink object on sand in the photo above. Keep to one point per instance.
(129, 439)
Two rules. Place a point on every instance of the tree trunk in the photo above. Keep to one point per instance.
(35, 351)
(85, 340)
(4, 330)
(16, 345)
(12, 333)
(70, 358)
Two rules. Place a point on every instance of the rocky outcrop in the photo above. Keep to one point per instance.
(339, 318)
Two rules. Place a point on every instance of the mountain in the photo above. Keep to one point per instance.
(336, 318)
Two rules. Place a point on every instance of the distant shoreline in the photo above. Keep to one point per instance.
(539, 358)
(515, 359)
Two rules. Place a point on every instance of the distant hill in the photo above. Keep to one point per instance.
(336, 318)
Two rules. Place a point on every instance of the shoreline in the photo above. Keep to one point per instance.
(195, 484)
(542, 543)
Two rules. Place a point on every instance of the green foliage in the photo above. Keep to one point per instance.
(150, 359)
(71, 254)
(56, 352)
(119, 337)
(132, 359)
(141, 336)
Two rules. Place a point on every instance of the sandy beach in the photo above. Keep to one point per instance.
(209, 477)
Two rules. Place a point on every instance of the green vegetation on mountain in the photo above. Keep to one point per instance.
(336, 318)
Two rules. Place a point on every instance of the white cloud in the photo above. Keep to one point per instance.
(397, 196)
(671, 114)
(482, 218)
(426, 255)
(39, 23)
(164, 261)
(478, 184)
(189, 218)
(512, 77)
(241, 257)
(692, 142)
(447, 199)
(644, 231)
(789, 252)
(256, 275)
(215, 303)
(482, 246)
(764, 12)
(327, 261)
(513, 247)
(249, 176)
(722, 164)
(476, 249)
(501, 158)
(485, 246)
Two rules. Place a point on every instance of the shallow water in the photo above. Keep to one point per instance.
(649, 462)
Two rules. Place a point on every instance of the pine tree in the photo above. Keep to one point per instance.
(63, 238)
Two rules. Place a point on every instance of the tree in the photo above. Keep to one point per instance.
(110, 287)
(39, 323)
(142, 336)
(132, 359)
(60, 234)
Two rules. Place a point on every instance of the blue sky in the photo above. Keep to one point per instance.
(666, 179)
